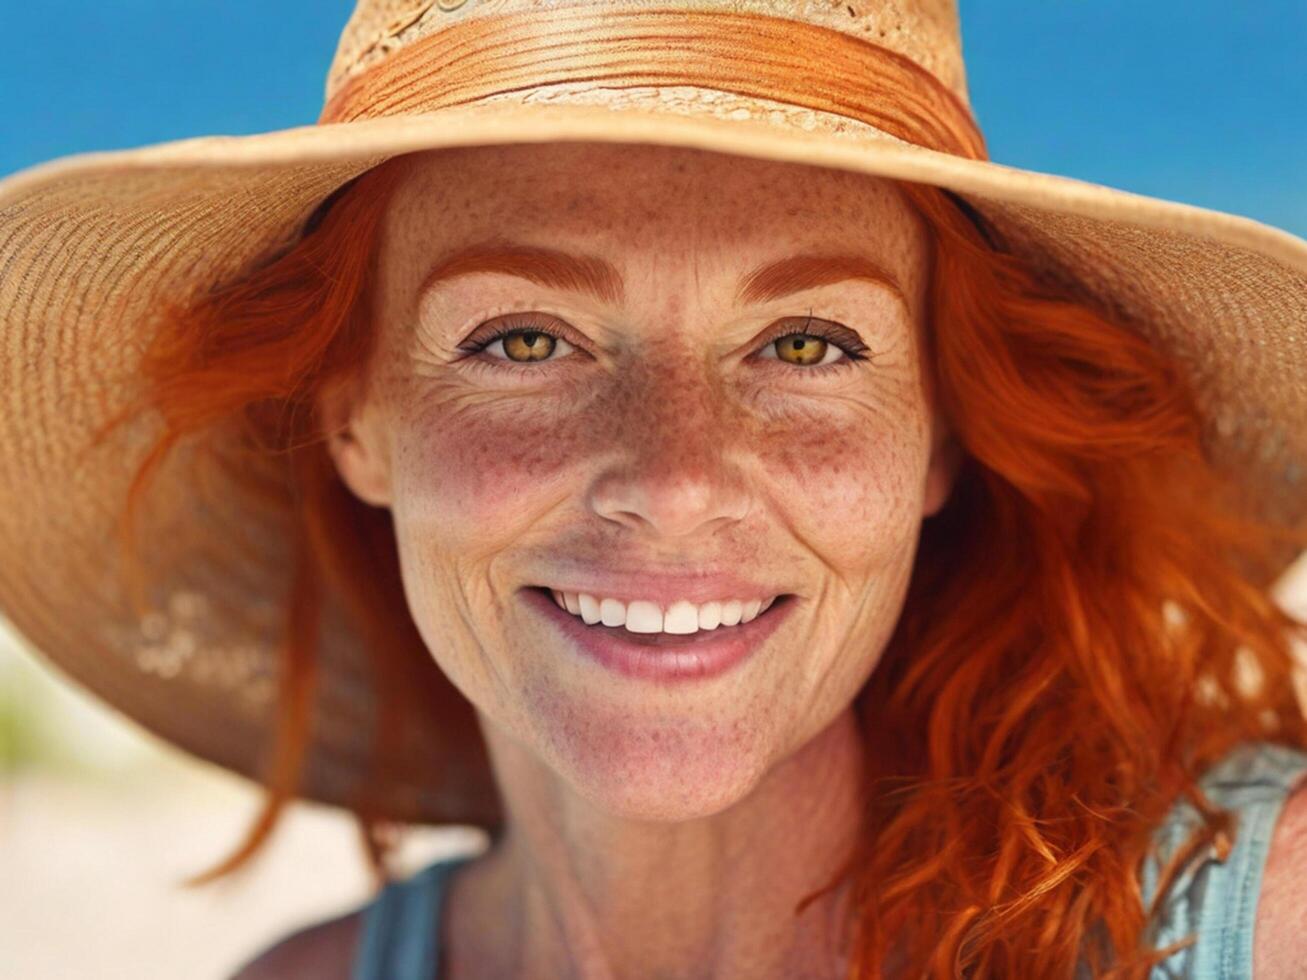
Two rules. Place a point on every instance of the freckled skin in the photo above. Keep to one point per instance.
(657, 437)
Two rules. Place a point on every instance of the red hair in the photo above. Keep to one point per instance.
(1064, 667)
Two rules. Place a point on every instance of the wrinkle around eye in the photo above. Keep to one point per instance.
(474, 354)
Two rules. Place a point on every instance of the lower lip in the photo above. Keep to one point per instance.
(700, 655)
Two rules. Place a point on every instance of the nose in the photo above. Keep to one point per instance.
(676, 470)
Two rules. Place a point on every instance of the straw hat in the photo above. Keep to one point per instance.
(89, 245)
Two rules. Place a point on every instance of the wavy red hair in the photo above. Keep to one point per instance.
(1065, 666)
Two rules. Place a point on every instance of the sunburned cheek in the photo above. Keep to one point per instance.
(483, 472)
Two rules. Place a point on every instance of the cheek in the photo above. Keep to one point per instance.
(851, 480)
(474, 473)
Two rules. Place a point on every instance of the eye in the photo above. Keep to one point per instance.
(526, 345)
(523, 339)
(812, 346)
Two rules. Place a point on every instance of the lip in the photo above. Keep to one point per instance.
(695, 656)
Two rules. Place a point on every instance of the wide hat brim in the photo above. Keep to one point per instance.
(91, 244)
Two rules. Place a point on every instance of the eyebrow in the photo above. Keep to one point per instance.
(600, 279)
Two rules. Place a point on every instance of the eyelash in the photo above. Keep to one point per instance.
(523, 323)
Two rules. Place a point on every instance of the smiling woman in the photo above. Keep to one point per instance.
(807, 548)
(973, 529)
(666, 451)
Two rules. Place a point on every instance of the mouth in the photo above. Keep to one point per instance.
(665, 657)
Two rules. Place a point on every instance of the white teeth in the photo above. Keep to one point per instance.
(589, 608)
(682, 617)
(612, 612)
(643, 616)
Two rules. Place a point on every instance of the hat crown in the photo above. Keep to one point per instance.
(926, 31)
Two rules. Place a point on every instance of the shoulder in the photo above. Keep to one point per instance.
(324, 951)
(1280, 933)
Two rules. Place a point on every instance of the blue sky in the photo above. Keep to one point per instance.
(1193, 100)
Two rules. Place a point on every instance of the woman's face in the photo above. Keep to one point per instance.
(670, 430)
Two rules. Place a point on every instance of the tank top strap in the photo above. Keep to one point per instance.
(400, 934)
(1214, 899)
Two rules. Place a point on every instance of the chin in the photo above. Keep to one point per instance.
(670, 769)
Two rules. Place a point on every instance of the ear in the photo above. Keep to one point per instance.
(354, 443)
(945, 461)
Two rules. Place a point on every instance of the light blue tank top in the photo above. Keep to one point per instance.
(1217, 900)
(1213, 899)
(400, 938)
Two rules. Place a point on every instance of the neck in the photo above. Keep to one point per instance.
(572, 891)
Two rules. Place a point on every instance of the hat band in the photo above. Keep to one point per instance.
(749, 54)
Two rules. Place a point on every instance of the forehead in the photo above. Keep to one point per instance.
(628, 201)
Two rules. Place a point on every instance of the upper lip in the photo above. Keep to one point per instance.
(665, 588)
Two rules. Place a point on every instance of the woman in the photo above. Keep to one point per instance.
(801, 567)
